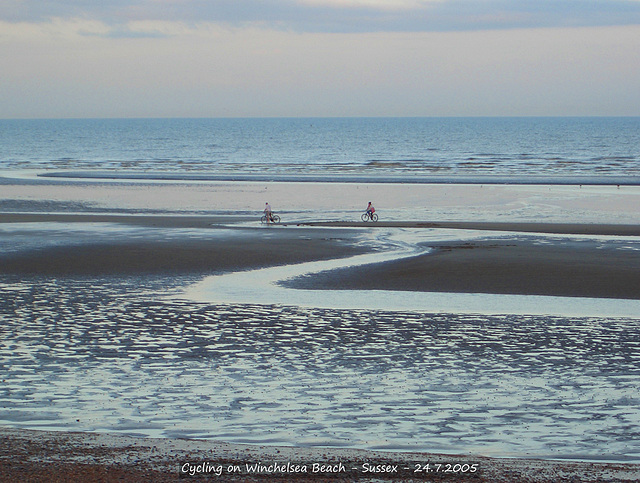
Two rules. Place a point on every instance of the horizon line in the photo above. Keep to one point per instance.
(473, 116)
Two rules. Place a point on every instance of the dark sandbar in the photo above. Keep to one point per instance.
(499, 267)
(515, 266)
(178, 256)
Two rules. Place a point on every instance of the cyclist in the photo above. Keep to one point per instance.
(267, 212)
(370, 210)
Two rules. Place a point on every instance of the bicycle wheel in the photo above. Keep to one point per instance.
(374, 217)
(263, 219)
(275, 219)
(365, 217)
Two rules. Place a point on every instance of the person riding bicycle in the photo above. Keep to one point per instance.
(370, 210)
(268, 213)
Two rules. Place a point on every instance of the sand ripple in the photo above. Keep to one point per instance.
(95, 355)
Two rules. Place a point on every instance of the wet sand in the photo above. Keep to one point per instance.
(554, 228)
(153, 221)
(172, 257)
(40, 456)
(195, 221)
(517, 266)
(161, 248)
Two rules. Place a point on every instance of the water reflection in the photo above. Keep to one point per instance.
(93, 355)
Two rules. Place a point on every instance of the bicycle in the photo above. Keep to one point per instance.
(274, 219)
(368, 216)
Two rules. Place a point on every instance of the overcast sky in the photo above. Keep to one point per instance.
(221, 58)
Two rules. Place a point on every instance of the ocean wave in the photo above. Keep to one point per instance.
(454, 178)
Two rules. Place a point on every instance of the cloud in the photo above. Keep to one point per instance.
(133, 30)
(370, 4)
(76, 68)
(81, 58)
(339, 15)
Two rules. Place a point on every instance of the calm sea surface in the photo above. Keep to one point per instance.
(372, 147)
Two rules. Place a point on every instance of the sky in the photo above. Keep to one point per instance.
(293, 58)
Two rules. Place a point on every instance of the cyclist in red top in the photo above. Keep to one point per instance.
(370, 210)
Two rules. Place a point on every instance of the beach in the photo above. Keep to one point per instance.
(162, 253)
(54, 456)
(516, 266)
(501, 267)
(125, 335)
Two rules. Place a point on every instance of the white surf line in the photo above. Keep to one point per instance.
(262, 287)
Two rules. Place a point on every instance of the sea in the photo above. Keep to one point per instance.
(372, 149)
(133, 355)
